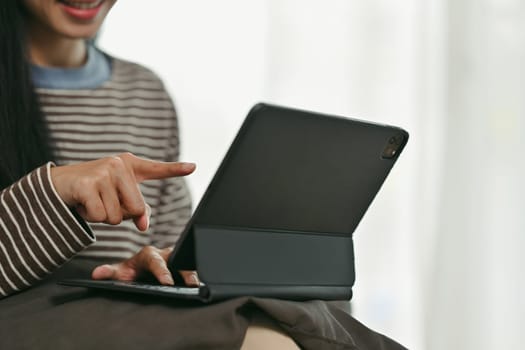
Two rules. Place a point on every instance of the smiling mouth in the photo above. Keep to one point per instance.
(82, 5)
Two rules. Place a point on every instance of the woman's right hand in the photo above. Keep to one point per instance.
(106, 190)
(148, 259)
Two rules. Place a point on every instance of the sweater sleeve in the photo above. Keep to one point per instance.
(173, 211)
(38, 232)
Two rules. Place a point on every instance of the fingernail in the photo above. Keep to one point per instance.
(195, 279)
(187, 166)
(167, 279)
(148, 216)
(147, 222)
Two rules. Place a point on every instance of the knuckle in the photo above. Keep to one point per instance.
(97, 216)
(167, 250)
(126, 156)
(85, 182)
(148, 250)
(114, 219)
(114, 162)
(98, 212)
(102, 175)
(155, 260)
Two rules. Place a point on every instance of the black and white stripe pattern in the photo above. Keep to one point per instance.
(38, 232)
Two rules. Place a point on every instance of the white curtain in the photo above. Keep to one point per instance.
(475, 295)
(439, 252)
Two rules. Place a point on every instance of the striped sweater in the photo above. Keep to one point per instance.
(131, 112)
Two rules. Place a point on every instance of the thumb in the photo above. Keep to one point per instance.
(104, 272)
(142, 221)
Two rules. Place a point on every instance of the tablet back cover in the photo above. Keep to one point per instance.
(299, 171)
(294, 172)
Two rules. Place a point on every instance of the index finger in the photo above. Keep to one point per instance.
(157, 266)
(145, 169)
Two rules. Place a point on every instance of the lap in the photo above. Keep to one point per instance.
(51, 316)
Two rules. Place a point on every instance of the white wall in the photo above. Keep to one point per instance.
(211, 57)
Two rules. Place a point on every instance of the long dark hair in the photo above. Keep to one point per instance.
(24, 139)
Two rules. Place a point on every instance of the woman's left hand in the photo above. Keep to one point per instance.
(148, 259)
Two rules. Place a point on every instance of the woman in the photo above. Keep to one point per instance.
(88, 110)
(65, 101)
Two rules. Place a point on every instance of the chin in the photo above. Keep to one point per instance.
(77, 32)
(83, 20)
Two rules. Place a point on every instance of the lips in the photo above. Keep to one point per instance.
(82, 10)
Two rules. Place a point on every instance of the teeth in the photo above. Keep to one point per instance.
(82, 5)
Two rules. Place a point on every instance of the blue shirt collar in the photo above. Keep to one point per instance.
(95, 72)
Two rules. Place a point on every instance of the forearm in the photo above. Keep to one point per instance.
(38, 232)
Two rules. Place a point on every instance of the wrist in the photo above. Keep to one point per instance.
(57, 181)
